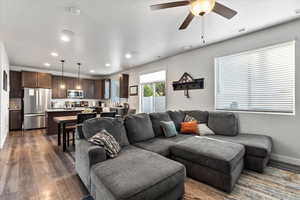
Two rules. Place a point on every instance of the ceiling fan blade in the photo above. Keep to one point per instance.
(224, 11)
(170, 5)
(187, 21)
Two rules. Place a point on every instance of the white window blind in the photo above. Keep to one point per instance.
(261, 80)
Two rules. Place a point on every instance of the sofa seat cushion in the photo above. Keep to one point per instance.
(256, 145)
(216, 154)
(157, 145)
(139, 128)
(161, 145)
(138, 174)
(156, 118)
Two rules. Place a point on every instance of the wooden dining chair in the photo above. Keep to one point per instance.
(81, 117)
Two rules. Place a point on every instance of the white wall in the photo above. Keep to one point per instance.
(200, 64)
(4, 96)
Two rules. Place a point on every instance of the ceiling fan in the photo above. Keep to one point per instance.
(198, 8)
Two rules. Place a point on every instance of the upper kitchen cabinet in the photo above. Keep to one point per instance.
(36, 80)
(124, 81)
(44, 80)
(57, 92)
(15, 82)
(70, 83)
(88, 87)
(98, 89)
(29, 79)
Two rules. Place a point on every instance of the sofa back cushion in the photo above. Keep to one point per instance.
(200, 116)
(177, 117)
(114, 126)
(156, 118)
(139, 128)
(223, 123)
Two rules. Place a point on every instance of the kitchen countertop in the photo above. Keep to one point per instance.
(64, 109)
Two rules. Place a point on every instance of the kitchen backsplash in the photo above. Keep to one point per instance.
(62, 103)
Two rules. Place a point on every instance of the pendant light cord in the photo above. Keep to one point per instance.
(203, 30)
(62, 71)
(78, 78)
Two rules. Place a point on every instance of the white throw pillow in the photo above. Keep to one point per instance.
(204, 130)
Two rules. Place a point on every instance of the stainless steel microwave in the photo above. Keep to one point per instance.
(75, 94)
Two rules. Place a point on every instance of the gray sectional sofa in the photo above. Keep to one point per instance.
(151, 166)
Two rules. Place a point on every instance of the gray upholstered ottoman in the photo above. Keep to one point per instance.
(214, 162)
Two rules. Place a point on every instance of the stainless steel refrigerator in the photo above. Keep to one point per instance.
(36, 102)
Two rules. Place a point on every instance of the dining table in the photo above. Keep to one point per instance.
(62, 123)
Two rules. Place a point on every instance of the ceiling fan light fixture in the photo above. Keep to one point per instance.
(202, 7)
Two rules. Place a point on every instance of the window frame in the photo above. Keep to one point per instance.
(253, 111)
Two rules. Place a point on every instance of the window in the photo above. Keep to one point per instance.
(261, 80)
(153, 97)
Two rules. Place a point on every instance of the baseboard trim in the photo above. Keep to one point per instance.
(285, 159)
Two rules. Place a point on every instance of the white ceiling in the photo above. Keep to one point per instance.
(106, 30)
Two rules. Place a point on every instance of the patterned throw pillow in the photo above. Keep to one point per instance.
(107, 141)
(189, 118)
(168, 128)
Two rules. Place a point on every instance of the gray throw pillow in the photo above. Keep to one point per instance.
(107, 141)
(168, 128)
(115, 126)
(177, 117)
(156, 118)
(139, 128)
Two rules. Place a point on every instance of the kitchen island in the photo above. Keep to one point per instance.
(52, 127)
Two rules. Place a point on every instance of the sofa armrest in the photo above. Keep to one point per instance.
(96, 154)
(87, 155)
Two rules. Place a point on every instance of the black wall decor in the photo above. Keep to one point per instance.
(187, 82)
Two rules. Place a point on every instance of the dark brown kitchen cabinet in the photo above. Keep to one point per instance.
(70, 83)
(15, 81)
(124, 81)
(88, 87)
(36, 80)
(15, 120)
(29, 79)
(98, 89)
(44, 80)
(57, 92)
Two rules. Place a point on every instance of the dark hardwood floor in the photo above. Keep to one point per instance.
(32, 167)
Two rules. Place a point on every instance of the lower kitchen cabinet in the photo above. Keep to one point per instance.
(52, 126)
(15, 120)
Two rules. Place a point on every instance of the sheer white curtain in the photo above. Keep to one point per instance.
(261, 80)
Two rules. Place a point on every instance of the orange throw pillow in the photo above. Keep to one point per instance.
(189, 127)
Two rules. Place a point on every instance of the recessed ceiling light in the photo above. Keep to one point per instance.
(107, 65)
(54, 54)
(47, 64)
(187, 47)
(92, 71)
(73, 10)
(66, 35)
(128, 55)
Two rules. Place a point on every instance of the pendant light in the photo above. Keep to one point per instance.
(62, 82)
(78, 86)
